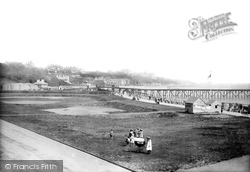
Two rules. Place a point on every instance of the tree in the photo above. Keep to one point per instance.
(30, 64)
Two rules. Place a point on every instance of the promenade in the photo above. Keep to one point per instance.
(20, 144)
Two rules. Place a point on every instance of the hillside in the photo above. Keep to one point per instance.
(28, 73)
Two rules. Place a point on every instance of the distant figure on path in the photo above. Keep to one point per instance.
(111, 134)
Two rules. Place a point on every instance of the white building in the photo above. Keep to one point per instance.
(41, 83)
(213, 106)
(19, 87)
(195, 105)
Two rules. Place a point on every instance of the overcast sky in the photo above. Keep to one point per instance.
(149, 36)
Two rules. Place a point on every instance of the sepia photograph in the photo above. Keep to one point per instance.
(124, 86)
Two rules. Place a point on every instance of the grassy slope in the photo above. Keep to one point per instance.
(178, 141)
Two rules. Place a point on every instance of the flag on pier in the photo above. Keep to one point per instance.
(209, 76)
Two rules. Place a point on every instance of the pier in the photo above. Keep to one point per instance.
(178, 95)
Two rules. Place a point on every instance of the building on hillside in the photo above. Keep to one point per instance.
(118, 82)
(54, 70)
(213, 106)
(41, 83)
(124, 82)
(62, 77)
(99, 82)
(52, 88)
(65, 78)
(20, 87)
(76, 76)
(86, 83)
(195, 105)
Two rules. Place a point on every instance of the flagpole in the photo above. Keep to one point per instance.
(210, 90)
(210, 85)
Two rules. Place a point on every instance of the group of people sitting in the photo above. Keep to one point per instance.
(136, 133)
(136, 137)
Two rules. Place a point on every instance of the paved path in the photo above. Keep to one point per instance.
(20, 144)
(241, 164)
(153, 102)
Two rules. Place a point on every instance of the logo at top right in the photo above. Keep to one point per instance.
(211, 28)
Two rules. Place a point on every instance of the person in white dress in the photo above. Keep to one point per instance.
(149, 145)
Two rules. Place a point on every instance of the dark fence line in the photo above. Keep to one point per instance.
(51, 93)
